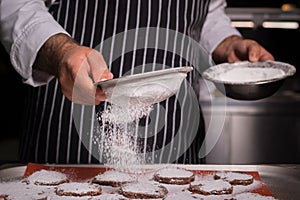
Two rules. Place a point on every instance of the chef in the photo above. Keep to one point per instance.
(62, 47)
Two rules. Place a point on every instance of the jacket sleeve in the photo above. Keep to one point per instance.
(217, 26)
(24, 26)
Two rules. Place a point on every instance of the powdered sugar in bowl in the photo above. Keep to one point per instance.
(249, 80)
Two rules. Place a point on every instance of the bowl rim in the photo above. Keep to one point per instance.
(273, 64)
(142, 76)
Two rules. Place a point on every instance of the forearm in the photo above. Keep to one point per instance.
(25, 26)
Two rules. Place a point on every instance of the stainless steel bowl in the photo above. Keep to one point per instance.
(248, 90)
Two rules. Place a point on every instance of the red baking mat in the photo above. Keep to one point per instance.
(82, 173)
(74, 173)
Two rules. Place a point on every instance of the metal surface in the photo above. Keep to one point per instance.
(256, 132)
(249, 90)
(12, 173)
(282, 180)
(144, 88)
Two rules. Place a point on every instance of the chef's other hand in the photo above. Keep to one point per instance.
(235, 48)
(77, 68)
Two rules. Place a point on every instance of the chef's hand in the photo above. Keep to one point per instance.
(235, 48)
(77, 68)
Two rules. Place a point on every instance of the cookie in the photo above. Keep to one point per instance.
(211, 187)
(143, 190)
(46, 177)
(194, 196)
(235, 178)
(174, 175)
(3, 196)
(250, 196)
(109, 197)
(183, 196)
(113, 178)
(78, 189)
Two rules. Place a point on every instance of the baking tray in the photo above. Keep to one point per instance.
(282, 180)
(86, 172)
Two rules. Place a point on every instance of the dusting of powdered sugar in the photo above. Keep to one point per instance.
(46, 177)
(115, 176)
(185, 195)
(19, 190)
(212, 185)
(253, 74)
(231, 176)
(115, 114)
(250, 196)
(150, 188)
(78, 188)
(171, 172)
(117, 138)
(109, 197)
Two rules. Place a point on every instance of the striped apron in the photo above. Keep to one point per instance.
(134, 36)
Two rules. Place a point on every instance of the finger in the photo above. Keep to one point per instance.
(99, 72)
(253, 52)
(106, 75)
(98, 66)
(265, 55)
(84, 89)
(239, 50)
(110, 75)
(233, 57)
(99, 96)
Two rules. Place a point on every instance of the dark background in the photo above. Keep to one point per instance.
(260, 3)
(11, 102)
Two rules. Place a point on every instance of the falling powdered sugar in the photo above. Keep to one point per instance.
(118, 139)
(117, 115)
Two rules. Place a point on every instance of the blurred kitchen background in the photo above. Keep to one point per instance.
(268, 130)
(255, 132)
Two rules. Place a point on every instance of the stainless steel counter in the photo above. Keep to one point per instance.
(282, 180)
(253, 132)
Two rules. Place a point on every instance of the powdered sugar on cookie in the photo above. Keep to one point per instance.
(46, 177)
(114, 178)
(208, 187)
(109, 197)
(235, 178)
(170, 172)
(143, 187)
(78, 189)
(174, 175)
(143, 190)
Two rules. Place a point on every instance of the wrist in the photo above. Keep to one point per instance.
(51, 53)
